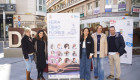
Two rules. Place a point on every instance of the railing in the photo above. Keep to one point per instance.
(105, 14)
(67, 5)
(52, 3)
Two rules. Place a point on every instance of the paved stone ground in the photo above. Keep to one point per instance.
(14, 69)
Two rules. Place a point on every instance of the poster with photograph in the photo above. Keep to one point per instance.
(122, 5)
(63, 45)
(125, 27)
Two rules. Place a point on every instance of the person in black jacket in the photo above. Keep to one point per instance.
(116, 49)
(28, 50)
(40, 43)
(86, 53)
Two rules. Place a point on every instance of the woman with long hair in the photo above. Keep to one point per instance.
(40, 44)
(86, 53)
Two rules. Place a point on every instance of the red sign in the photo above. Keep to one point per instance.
(112, 21)
(136, 10)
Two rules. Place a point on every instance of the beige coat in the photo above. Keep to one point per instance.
(103, 45)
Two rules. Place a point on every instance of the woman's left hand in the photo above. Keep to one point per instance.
(90, 57)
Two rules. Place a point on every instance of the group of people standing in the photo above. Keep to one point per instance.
(96, 47)
(34, 49)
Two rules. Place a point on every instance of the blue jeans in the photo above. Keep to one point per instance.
(85, 65)
(98, 67)
(29, 63)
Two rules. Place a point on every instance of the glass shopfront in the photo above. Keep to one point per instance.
(8, 23)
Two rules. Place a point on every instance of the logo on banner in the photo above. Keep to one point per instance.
(128, 23)
(129, 40)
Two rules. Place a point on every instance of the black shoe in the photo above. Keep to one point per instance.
(117, 78)
(38, 78)
(110, 77)
(42, 77)
(96, 77)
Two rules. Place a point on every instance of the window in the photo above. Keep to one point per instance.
(109, 2)
(79, 9)
(89, 6)
(11, 1)
(82, 9)
(41, 5)
(81, 26)
(40, 2)
(96, 4)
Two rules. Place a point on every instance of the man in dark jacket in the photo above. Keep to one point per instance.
(116, 45)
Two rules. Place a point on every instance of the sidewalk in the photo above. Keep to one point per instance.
(14, 69)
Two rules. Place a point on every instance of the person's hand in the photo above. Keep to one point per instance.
(105, 55)
(90, 57)
(26, 59)
(118, 53)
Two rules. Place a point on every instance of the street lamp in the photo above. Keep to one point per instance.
(4, 26)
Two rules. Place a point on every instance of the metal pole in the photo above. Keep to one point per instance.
(4, 26)
(139, 19)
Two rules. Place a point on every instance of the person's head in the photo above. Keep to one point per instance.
(60, 59)
(41, 35)
(74, 59)
(86, 32)
(66, 60)
(99, 29)
(27, 32)
(74, 45)
(112, 30)
(66, 46)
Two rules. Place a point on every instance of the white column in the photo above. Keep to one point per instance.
(37, 5)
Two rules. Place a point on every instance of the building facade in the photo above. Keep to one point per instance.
(22, 13)
(94, 12)
(30, 13)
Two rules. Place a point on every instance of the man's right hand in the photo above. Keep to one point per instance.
(26, 59)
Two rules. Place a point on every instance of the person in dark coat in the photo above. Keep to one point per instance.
(28, 50)
(86, 54)
(116, 48)
(40, 43)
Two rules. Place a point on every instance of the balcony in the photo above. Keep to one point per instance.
(106, 14)
(68, 5)
(52, 3)
(8, 8)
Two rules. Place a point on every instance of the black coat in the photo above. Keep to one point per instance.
(89, 46)
(27, 46)
(119, 42)
(40, 54)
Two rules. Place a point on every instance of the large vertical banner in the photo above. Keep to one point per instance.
(63, 45)
(125, 27)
